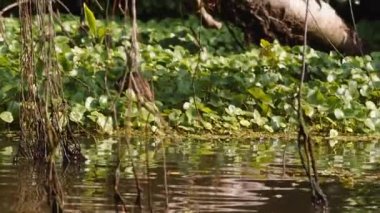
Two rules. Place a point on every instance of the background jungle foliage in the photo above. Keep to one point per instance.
(204, 82)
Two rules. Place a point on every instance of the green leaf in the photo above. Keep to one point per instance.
(101, 33)
(370, 105)
(6, 116)
(90, 19)
(260, 121)
(338, 114)
(88, 102)
(264, 43)
(207, 125)
(333, 133)
(244, 123)
(77, 112)
(308, 109)
(369, 123)
(103, 100)
(259, 94)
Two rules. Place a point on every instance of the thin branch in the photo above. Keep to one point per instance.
(13, 5)
(304, 140)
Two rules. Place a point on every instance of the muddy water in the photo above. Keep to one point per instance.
(195, 176)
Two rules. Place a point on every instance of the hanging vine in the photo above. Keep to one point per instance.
(44, 112)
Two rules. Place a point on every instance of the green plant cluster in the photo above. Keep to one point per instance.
(200, 84)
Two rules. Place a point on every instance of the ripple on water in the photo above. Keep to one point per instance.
(199, 176)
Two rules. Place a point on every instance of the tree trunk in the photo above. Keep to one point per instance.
(284, 20)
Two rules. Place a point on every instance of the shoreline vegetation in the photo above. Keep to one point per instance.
(205, 84)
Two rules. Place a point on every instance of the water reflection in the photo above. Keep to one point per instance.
(197, 176)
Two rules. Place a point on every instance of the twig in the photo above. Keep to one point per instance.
(13, 5)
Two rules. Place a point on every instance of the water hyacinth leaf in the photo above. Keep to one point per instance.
(174, 115)
(341, 94)
(369, 123)
(364, 90)
(244, 122)
(77, 112)
(331, 77)
(103, 100)
(277, 122)
(258, 119)
(333, 133)
(374, 114)
(151, 107)
(231, 110)
(204, 108)
(146, 115)
(339, 114)
(186, 105)
(370, 105)
(189, 116)
(131, 95)
(6, 116)
(88, 103)
(308, 109)
(268, 128)
(204, 55)
(207, 125)
(104, 122)
(259, 94)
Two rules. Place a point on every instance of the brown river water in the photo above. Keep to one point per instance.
(196, 176)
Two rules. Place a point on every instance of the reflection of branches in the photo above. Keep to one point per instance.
(284, 161)
(165, 176)
(119, 201)
(147, 175)
(31, 193)
(54, 189)
(137, 182)
(39, 188)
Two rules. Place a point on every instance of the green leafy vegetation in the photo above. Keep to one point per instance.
(206, 84)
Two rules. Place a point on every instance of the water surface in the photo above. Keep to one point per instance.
(196, 176)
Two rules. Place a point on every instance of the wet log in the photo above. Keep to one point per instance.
(284, 20)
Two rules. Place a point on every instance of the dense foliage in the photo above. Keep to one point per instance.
(221, 88)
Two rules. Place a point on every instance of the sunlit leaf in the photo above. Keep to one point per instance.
(339, 114)
(207, 125)
(259, 94)
(333, 133)
(90, 19)
(103, 100)
(369, 123)
(6, 117)
(88, 102)
(244, 123)
(308, 109)
(370, 105)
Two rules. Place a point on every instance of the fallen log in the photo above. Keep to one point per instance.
(284, 20)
